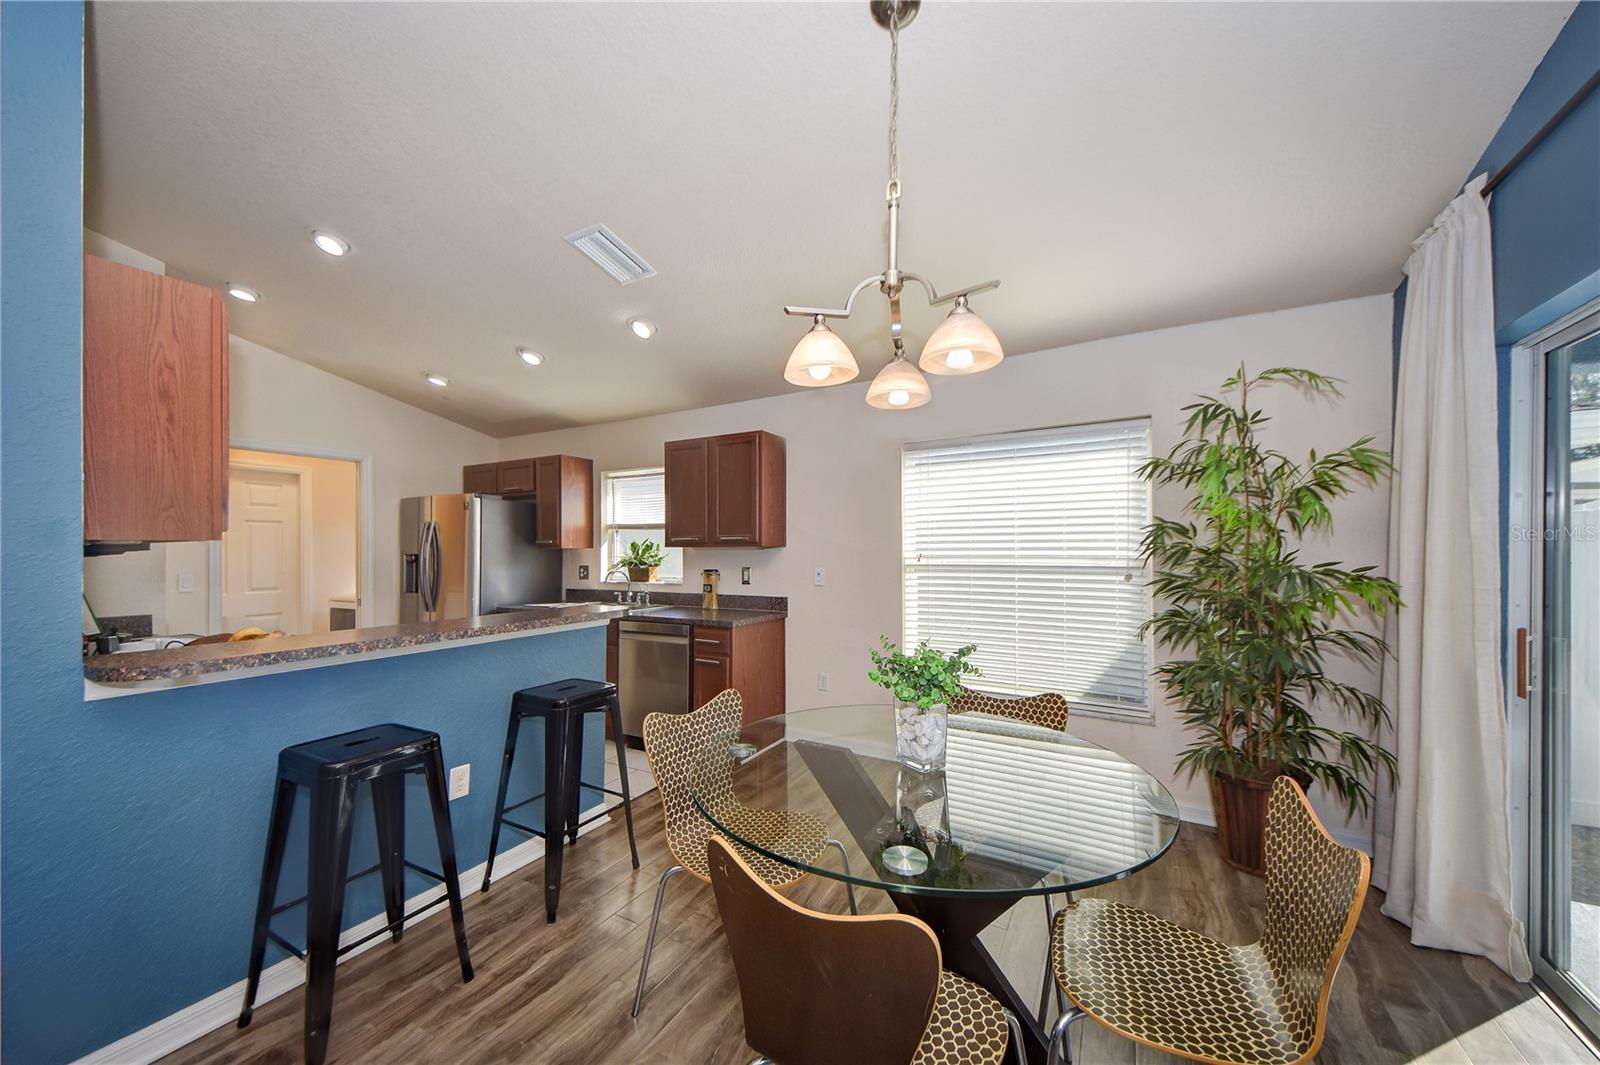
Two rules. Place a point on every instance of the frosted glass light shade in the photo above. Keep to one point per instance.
(820, 358)
(898, 386)
(962, 344)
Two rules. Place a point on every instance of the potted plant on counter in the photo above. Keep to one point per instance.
(923, 683)
(641, 561)
(1255, 626)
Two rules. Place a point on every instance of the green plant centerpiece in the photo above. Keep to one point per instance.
(1252, 625)
(641, 560)
(923, 683)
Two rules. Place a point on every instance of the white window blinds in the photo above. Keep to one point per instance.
(637, 498)
(1027, 545)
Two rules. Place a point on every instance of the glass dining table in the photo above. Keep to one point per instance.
(1018, 810)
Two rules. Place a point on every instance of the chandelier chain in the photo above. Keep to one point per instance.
(894, 101)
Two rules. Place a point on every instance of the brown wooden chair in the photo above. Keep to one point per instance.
(819, 989)
(675, 744)
(1176, 990)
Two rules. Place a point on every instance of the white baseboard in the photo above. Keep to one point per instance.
(157, 1040)
(1203, 815)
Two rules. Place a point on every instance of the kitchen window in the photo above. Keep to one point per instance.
(1027, 544)
(634, 507)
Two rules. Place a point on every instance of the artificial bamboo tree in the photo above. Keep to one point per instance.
(1253, 625)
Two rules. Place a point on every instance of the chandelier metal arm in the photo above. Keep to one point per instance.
(841, 312)
(936, 300)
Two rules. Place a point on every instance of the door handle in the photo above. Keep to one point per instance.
(1522, 663)
(708, 661)
(434, 566)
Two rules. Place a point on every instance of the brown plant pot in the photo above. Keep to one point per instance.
(1240, 804)
(642, 574)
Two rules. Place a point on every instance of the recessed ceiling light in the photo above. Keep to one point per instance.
(437, 380)
(243, 292)
(332, 243)
(531, 357)
(643, 328)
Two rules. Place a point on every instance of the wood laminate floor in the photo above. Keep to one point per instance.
(560, 994)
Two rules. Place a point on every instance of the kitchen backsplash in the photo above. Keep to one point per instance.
(778, 603)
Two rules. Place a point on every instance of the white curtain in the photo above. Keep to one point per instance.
(1443, 838)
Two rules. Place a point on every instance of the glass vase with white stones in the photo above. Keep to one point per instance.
(919, 735)
(923, 681)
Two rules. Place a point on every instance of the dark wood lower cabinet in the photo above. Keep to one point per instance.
(748, 658)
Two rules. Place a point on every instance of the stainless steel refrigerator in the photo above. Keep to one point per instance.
(464, 555)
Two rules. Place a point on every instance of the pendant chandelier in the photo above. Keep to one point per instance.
(962, 344)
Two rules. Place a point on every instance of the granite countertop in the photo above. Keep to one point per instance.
(268, 651)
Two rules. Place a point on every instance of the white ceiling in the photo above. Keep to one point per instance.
(1121, 167)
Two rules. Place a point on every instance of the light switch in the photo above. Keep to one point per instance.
(819, 578)
(185, 582)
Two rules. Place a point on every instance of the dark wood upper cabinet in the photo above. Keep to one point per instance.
(565, 490)
(155, 406)
(726, 491)
(515, 477)
(484, 478)
(687, 489)
(563, 485)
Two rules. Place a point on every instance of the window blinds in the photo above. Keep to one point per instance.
(1027, 545)
(636, 498)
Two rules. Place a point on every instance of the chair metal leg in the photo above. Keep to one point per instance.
(1019, 1050)
(1061, 1036)
(1044, 988)
(650, 940)
(844, 856)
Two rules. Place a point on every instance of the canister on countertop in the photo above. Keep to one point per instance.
(708, 588)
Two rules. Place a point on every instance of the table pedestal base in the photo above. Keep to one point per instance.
(957, 923)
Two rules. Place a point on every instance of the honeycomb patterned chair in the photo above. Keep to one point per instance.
(1048, 710)
(1179, 991)
(819, 989)
(673, 744)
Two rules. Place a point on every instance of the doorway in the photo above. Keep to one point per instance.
(1556, 665)
(290, 560)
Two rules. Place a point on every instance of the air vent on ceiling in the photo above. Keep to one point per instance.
(608, 252)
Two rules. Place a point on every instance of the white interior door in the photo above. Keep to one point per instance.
(261, 551)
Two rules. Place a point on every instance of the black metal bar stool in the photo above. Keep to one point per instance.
(331, 768)
(562, 705)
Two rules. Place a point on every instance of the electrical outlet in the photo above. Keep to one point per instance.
(824, 682)
(744, 575)
(185, 582)
(819, 577)
(583, 573)
(460, 781)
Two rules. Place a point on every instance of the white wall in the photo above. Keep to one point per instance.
(844, 474)
(279, 404)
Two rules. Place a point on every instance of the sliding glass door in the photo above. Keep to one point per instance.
(1567, 930)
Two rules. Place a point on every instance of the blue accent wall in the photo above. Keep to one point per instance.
(131, 830)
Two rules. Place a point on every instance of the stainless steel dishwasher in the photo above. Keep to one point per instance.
(653, 671)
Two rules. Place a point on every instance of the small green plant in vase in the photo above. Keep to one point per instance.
(641, 561)
(923, 683)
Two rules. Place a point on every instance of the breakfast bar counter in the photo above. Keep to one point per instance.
(125, 674)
